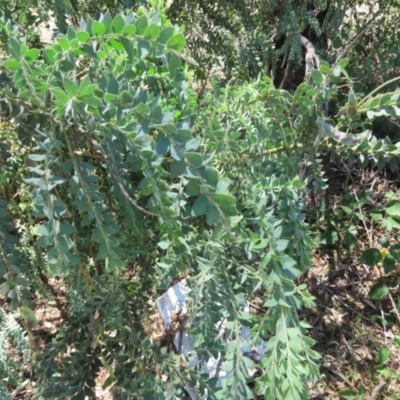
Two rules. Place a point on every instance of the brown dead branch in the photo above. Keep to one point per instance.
(311, 58)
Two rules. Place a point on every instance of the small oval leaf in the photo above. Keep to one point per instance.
(384, 355)
(98, 28)
(371, 257)
(378, 291)
(177, 42)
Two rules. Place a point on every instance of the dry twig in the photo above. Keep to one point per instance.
(16, 392)
(377, 388)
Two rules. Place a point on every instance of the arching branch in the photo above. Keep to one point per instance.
(114, 173)
(311, 58)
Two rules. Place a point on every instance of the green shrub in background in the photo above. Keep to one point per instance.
(135, 183)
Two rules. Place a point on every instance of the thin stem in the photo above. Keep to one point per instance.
(112, 169)
(366, 98)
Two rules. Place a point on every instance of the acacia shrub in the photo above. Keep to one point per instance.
(127, 199)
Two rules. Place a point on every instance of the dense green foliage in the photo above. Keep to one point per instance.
(127, 181)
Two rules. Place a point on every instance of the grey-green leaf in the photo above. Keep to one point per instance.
(200, 205)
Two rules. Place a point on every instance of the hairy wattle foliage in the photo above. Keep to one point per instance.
(134, 183)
